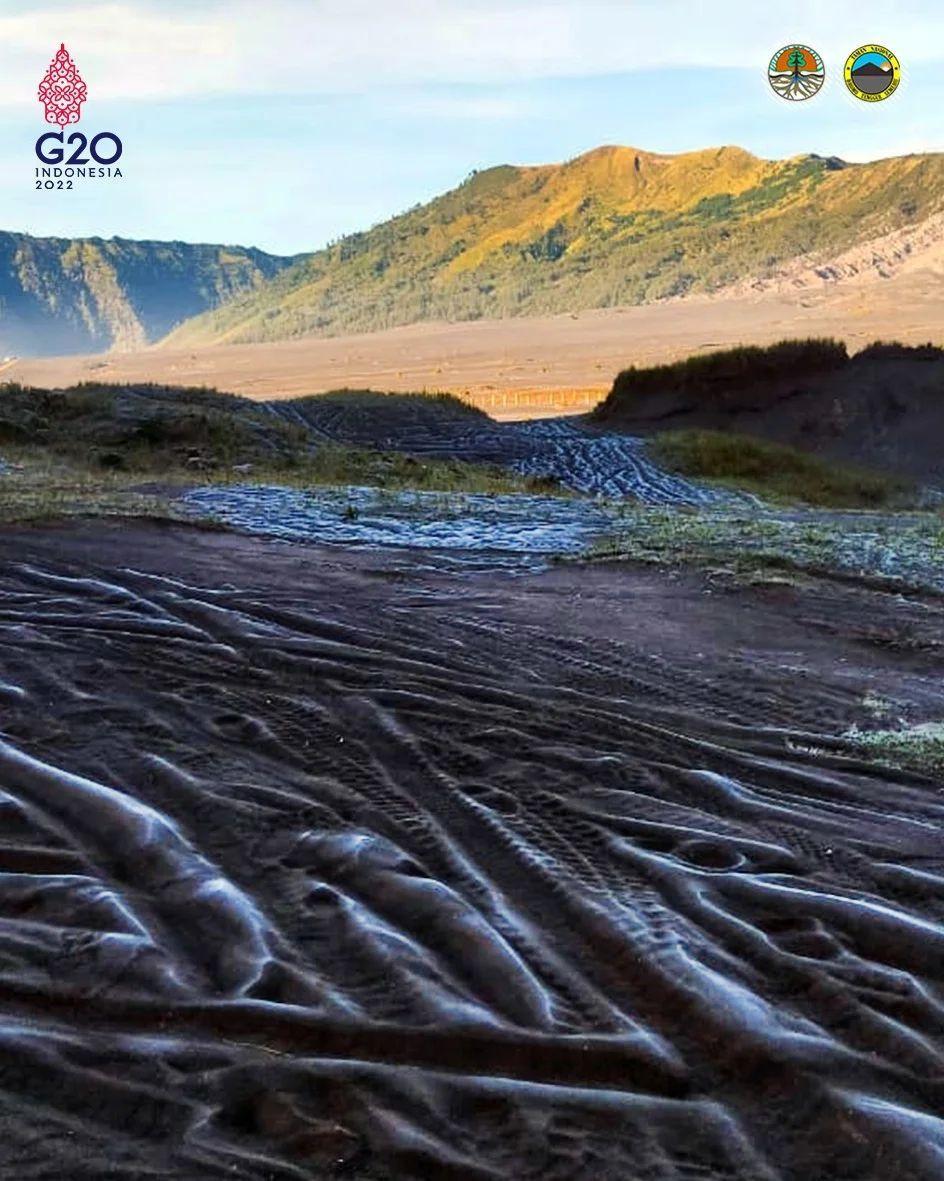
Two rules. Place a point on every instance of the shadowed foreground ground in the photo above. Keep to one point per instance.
(325, 862)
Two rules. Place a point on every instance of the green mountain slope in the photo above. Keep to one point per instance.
(60, 295)
(616, 226)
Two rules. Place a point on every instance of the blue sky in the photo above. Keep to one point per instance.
(873, 58)
(288, 123)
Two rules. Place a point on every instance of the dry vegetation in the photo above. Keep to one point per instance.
(612, 228)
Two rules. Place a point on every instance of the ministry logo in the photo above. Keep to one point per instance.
(64, 160)
(796, 72)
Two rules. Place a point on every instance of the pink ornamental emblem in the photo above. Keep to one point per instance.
(62, 92)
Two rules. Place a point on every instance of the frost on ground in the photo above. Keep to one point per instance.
(901, 547)
(426, 520)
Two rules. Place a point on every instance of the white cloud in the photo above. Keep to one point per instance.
(134, 49)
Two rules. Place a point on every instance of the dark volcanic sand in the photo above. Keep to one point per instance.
(321, 863)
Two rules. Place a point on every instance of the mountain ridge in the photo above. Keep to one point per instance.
(616, 226)
(63, 295)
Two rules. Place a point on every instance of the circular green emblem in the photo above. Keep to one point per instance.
(796, 72)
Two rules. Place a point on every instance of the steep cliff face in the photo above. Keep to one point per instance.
(615, 227)
(60, 295)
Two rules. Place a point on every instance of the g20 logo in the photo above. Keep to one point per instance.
(64, 153)
(104, 148)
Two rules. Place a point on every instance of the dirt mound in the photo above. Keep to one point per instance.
(368, 417)
(119, 425)
(883, 408)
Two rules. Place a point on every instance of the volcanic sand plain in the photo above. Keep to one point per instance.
(535, 366)
(324, 861)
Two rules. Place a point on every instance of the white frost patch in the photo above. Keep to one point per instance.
(423, 520)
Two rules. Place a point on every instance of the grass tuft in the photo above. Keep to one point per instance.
(916, 748)
(379, 400)
(776, 472)
(894, 351)
(714, 374)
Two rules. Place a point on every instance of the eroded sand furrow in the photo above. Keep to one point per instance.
(305, 865)
(570, 451)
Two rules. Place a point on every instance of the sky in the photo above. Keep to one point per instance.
(288, 123)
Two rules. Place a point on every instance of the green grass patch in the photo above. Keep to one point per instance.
(379, 402)
(776, 472)
(334, 465)
(916, 748)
